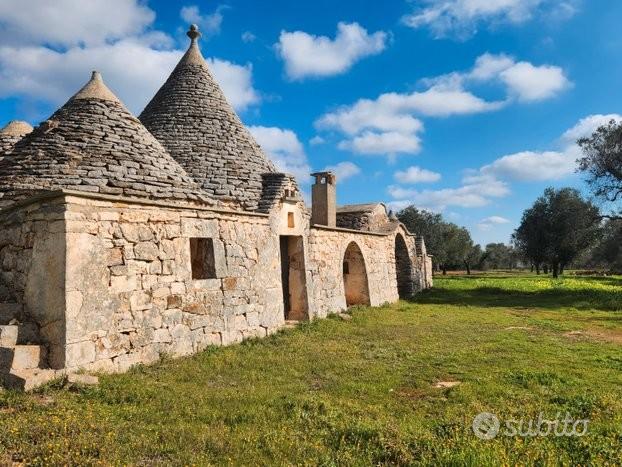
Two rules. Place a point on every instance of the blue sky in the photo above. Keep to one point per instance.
(466, 107)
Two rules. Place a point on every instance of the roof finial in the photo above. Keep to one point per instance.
(193, 33)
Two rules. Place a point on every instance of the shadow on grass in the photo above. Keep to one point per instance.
(499, 297)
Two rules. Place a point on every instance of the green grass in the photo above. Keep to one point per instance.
(360, 392)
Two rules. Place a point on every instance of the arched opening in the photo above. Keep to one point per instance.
(355, 276)
(403, 269)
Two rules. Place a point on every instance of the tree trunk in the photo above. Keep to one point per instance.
(468, 268)
(531, 267)
(555, 270)
(444, 270)
(561, 269)
(546, 268)
(537, 268)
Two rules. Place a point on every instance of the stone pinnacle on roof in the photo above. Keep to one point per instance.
(11, 134)
(96, 89)
(191, 117)
(94, 144)
(16, 128)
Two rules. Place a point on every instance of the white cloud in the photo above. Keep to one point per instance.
(69, 23)
(533, 166)
(236, 82)
(462, 18)
(208, 23)
(41, 73)
(390, 123)
(316, 140)
(285, 150)
(587, 126)
(248, 37)
(473, 193)
(416, 174)
(306, 55)
(522, 80)
(548, 165)
(388, 143)
(534, 83)
(344, 170)
(488, 223)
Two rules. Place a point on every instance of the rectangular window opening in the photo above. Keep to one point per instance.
(202, 258)
(290, 220)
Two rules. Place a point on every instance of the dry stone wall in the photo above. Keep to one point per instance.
(130, 293)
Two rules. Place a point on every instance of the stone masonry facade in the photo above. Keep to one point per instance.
(121, 244)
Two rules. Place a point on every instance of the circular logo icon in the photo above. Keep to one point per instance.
(486, 425)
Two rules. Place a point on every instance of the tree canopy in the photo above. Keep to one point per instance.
(602, 163)
(557, 228)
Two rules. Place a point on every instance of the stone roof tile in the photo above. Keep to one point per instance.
(191, 117)
(11, 134)
(94, 144)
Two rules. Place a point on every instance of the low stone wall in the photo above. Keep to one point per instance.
(326, 253)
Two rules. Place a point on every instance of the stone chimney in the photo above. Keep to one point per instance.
(324, 199)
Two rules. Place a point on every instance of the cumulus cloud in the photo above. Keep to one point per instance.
(390, 124)
(534, 166)
(523, 81)
(388, 142)
(248, 37)
(587, 126)
(344, 170)
(316, 140)
(208, 23)
(548, 165)
(38, 72)
(285, 150)
(488, 223)
(416, 174)
(462, 18)
(473, 193)
(306, 55)
(67, 23)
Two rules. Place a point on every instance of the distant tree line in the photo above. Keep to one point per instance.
(452, 247)
(561, 229)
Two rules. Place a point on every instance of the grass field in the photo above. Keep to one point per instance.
(360, 392)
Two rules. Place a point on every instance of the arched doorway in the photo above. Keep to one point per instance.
(403, 269)
(355, 276)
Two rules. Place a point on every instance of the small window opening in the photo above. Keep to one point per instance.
(202, 258)
(346, 267)
(290, 220)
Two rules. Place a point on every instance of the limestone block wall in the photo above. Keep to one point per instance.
(130, 293)
(32, 264)
(326, 253)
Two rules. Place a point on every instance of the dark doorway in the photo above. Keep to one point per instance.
(403, 269)
(355, 282)
(293, 277)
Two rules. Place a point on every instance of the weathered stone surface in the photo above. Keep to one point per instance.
(94, 144)
(191, 117)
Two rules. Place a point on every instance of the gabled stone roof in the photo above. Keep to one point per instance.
(191, 117)
(94, 144)
(11, 134)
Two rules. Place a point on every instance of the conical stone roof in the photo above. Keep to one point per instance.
(11, 134)
(94, 144)
(191, 117)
